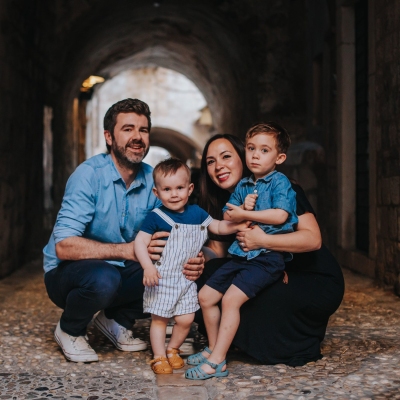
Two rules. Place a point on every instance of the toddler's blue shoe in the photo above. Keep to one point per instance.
(198, 358)
(197, 373)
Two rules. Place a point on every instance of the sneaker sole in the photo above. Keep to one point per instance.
(104, 331)
(73, 357)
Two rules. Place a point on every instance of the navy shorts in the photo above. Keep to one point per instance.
(250, 276)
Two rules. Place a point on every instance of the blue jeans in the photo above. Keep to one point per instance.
(81, 288)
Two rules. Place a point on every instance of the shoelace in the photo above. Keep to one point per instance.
(127, 333)
(80, 343)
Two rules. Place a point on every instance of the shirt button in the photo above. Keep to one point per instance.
(202, 228)
(158, 263)
(176, 226)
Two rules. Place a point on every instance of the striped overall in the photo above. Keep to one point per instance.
(176, 295)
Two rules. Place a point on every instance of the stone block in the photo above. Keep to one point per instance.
(389, 256)
(382, 221)
(398, 228)
(182, 393)
(392, 223)
(385, 192)
(177, 379)
(394, 188)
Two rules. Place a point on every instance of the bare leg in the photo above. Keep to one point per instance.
(158, 329)
(233, 299)
(209, 299)
(180, 330)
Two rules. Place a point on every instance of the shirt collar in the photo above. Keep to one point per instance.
(266, 179)
(115, 175)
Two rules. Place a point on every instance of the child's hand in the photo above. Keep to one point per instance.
(234, 213)
(151, 276)
(243, 226)
(250, 202)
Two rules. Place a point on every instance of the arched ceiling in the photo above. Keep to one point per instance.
(192, 37)
(174, 142)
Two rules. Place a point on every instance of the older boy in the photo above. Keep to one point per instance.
(266, 198)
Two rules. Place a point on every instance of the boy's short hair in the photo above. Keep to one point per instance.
(169, 167)
(280, 134)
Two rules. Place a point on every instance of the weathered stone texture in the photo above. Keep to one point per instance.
(22, 89)
(388, 144)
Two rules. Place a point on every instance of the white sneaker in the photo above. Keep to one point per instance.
(75, 348)
(121, 337)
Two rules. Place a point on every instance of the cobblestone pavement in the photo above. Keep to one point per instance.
(361, 355)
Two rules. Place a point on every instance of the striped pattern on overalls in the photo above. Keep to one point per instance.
(176, 295)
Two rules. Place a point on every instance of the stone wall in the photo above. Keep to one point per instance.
(22, 93)
(251, 59)
(387, 49)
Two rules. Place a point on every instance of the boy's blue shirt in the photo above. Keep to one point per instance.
(274, 191)
(192, 215)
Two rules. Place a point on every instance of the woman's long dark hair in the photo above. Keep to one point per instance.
(211, 197)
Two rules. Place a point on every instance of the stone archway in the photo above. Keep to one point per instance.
(177, 144)
(135, 35)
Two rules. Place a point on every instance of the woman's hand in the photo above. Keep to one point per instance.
(194, 267)
(157, 245)
(306, 238)
(249, 239)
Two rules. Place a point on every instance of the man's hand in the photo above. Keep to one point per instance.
(157, 245)
(234, 213)
(151, 276)
(194, 267)
(250, 202)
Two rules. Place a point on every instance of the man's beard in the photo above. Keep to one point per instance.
(125, 161)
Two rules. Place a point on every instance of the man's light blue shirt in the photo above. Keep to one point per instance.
(98, 206)
(274, 191)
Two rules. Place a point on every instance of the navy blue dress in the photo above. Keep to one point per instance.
(286, 323)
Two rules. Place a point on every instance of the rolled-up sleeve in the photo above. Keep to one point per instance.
(78, 206)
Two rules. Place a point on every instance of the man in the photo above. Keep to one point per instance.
(90, 262)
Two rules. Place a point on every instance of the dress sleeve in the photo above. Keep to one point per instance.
(303, 205)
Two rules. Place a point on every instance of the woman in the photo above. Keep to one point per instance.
(285, 323)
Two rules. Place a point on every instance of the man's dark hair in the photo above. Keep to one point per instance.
(280, 134)
(124, 106)
(169, 167)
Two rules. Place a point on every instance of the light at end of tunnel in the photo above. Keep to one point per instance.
(88, 83)
(157, 4)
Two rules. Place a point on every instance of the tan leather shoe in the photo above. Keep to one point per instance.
(174, 359)
(160, 365)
